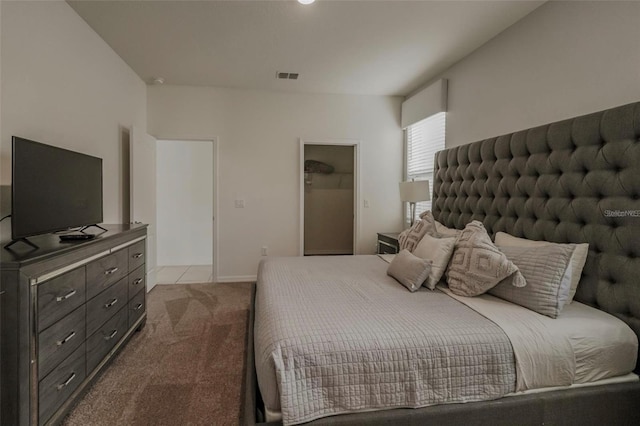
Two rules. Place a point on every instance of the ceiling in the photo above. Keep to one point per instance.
(354, 47)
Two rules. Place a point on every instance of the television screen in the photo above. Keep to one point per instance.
(53, 189)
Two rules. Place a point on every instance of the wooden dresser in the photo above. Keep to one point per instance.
(67, 308)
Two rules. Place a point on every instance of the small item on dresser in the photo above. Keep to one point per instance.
(477, 265)
(409, 270)
(66, 238)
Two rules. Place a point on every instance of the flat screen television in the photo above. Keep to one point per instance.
(53, 189)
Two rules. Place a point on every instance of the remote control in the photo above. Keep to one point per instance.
(76, 237)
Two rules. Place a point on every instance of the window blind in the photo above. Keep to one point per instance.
(423, 140)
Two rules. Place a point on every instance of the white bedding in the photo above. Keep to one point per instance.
(582, 345)
(336, 334)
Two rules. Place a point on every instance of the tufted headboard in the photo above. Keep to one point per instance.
(576, 181)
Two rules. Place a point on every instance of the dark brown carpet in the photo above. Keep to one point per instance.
(184, 368)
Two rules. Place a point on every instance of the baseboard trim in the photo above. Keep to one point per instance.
(152, 279)
(237, 279)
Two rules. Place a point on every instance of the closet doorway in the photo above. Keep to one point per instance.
(185, 211)
(329, 193)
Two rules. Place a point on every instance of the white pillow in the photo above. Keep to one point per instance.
(439, 251)
(443, 231)
(545, 270)
(576, 264)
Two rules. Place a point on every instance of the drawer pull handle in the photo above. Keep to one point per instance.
(66, 382)
(137, 256)
(111, 270)
(110, 304)
(138, 306)
(138, 281)
(66, 339)
(112, 335)
(66, 296)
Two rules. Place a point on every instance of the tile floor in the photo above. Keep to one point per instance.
(185, 274)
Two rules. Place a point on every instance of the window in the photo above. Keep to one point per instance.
(423, 140)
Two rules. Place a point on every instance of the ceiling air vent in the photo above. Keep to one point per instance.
(287, 75)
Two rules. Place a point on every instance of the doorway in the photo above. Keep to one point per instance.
(185, 211)
(329, 198)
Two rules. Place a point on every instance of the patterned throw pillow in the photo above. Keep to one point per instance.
(477, 265)
(409, 238)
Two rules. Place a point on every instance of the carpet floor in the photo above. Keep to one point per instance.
(184, 368)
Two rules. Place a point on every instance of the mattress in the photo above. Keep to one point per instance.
(583, 345)
(308, 307)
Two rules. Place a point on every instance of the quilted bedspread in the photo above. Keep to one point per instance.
(336, 334)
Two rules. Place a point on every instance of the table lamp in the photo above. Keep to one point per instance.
(414, 191)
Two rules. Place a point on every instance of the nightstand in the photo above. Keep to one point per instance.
(388, 242)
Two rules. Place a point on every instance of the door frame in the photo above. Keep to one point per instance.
(216, 170)
(138, 138)
(355, 143)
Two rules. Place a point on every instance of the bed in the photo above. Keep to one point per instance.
(574, 181)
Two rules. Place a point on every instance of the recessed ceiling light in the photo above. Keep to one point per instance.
(158, 80)
(306, 1)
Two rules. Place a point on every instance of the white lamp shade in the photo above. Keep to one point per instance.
(415, 191)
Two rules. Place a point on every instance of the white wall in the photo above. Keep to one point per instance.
(259, 136)
(563, 60)
(184, 200)
(63, 85)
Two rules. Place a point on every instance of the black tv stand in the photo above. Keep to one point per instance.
(24, 240)
(89, 226)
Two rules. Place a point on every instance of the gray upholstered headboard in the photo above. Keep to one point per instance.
(576, 180)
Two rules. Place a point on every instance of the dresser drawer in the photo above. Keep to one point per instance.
(103, 340)
(59, 296)
(137, 281)
(105, 305)
(105, 271)
(137, 306)
(60, 383)
(58, 341)
(136, 255)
